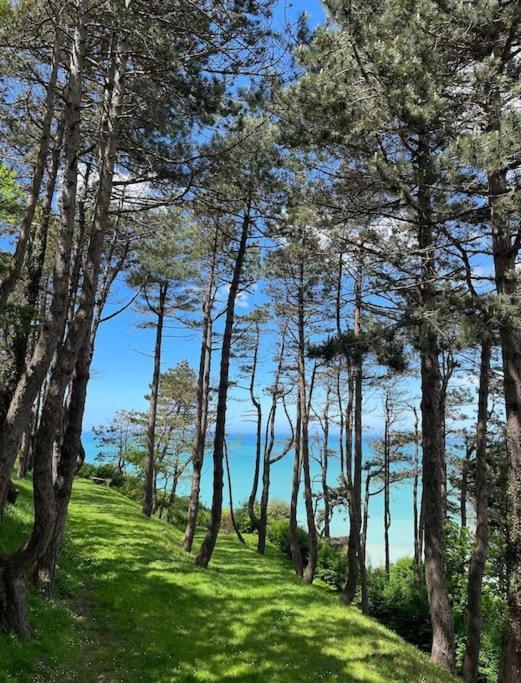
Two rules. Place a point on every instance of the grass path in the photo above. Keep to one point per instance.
(132, 607)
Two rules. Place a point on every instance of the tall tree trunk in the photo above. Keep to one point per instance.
(75, 352)
(417, 531)
(303, 435)
(230, 495)
(258, 433)
(469, 447)
(294, 545)
(203, 395)
(356, 565)
(510, 336)
(365, 521)
(150, 468)
(9, 280)
(443, 647)
(479, 556)
(208, 545)
(172, 497)
(71, 452)
(28, 386)
(387, 511)
(268, 450)
(324, 468)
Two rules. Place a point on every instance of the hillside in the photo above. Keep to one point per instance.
(131, 606)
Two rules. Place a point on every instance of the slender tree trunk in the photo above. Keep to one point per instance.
(348, 421)
(447, 367)
(258, 435)
(9, 280)
(387, 511)
(71, 453)
(366, 514)
(464, 484)
(479, 556)
(417, 532)
(443, 647)
(150, 469)
(324, 468)
(303, 435)
(208, 545)
(203, 394)
(268, 450)
(230, 495)
(74, 355)
(356, 566)
(505, 263)
(294, 545)
(28, 386)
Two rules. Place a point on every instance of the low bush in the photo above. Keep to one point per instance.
(278, 534)
(332, 565)
(399, 602)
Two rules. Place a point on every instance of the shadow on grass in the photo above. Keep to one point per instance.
(154, 616)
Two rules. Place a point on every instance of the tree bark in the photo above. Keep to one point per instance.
(479, 556)
(203, 394)
(9, 280)
(303, 434)
(464, 484)
(78, 341)
(356, 564)
(70, 453)
(504, 264)
(443, 646)
(149, 492)
(294, 545)
(258, 433)
(324, 468)
(387, 511)
(268, 450)
(230, 496)
(27, 388)
(417, 527)
(208, 545)
(13, 602)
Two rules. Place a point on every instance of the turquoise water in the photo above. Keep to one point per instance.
(241, 449)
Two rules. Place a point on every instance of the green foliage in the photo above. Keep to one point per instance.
(277, 510)
(459, 545)
(331, 561)
(384, 342)
(10, 192)
(399, 602)
(331, 565)
(278, 534)
(103, 471)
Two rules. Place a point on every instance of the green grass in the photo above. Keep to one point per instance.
(131, 606)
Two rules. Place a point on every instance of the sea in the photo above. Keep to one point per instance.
(241, 453)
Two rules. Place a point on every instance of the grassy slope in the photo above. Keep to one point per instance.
(133, 607)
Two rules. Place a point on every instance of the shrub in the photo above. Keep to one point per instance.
(331, 565)
(226, 522)
(278, 534)
(278, 509)
(399, 602)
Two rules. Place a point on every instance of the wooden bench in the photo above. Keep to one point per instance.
(101, 480)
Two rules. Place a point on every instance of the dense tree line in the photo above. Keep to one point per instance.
(363, 184)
